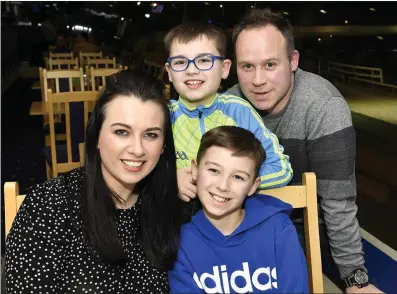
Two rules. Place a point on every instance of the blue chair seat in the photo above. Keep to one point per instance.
(62, 154)
(60, 128)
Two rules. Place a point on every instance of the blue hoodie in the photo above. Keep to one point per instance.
(263, 253)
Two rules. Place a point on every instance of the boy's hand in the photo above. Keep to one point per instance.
(186, 185)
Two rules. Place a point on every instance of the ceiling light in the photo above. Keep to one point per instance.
(319, 39)
(221, 6)
(206, 3)
(147, 15)
(122, 18)
(372, 9)
(67, 27)
(330, 36)
(323, 11)
(380, 37)
(39, 24)
(154, 4)
(138, 3)
(346, 21)
(252, 6)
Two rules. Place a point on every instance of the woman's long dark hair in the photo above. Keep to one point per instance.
(161, 212)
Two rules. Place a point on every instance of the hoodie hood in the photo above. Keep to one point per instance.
(258, 209)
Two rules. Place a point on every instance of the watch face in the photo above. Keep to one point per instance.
(361, 277)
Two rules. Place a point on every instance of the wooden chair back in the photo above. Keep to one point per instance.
(82, 153)
(12, 202)
(107, 62)
(51, 80)
(84, 56)
(47, 62)
(61, 55)
(155, 69)
(305, 196)
(64, 100)
(96, 77)
(54, 64)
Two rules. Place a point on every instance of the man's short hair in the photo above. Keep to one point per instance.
(189, 31)
(241, 141)
(261, 17)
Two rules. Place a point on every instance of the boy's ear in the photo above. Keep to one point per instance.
(255, 185)
(168, 69)
(227, 63)
(194, 170)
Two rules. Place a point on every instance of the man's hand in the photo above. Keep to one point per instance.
(369, 289)
(187, 187)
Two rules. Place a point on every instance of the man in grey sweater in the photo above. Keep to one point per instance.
(313, 123)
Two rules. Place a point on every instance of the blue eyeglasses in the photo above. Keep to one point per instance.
(201, 62)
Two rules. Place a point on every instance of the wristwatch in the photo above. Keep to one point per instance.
(357, 278)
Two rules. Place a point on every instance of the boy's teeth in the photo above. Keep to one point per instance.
(194, 82)
(220, 199)
(132, 163)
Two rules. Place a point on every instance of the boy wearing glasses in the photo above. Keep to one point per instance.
(196, 66)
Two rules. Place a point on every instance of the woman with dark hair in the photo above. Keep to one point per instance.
(112, 226)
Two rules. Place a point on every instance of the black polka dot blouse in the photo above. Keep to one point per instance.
(45, 251)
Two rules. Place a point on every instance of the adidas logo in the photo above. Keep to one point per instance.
(224, 282)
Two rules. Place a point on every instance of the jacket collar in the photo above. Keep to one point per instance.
(183, 105)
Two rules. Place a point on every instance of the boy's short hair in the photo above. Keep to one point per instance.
(189, 31)
(261, 17)
(241, 141)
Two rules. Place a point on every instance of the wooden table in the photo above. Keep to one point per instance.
(36, 85)
(40, 108)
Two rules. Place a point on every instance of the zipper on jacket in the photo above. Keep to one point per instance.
(202, 126)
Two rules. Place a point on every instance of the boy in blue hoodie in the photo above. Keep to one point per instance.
(236, 243)
(196, 67)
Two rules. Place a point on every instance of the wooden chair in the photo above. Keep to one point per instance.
(84, 56)
(63, 64)
(107, 62)
(155, 69)
(60, 159)
(61, 55)
(12, 202)
(60, 136)
(305, 196)
(82, 154)
(47, 62)
(51, 80)
(96, 77)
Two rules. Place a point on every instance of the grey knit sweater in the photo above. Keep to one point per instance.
(316, 131)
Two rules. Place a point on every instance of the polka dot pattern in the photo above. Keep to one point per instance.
(45, 250)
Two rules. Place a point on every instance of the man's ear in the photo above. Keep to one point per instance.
(255, 185)
(194, 170)
(168, 69)
(227, 63)
(295, 61)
